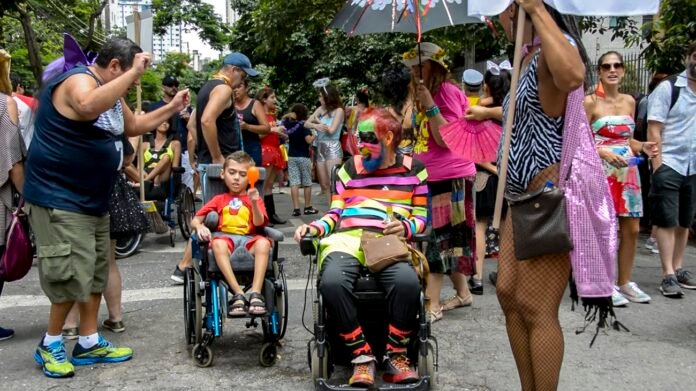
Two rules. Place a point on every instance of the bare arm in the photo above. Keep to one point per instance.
(263, 127)
(589, 104)
(191, 138)
(220, 98)
(490, 167)
(655, 135)
(337, 122)
(80, 98)
(481, 113)
(313, 120)
(176, 148)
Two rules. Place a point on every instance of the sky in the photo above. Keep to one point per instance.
(195, 42)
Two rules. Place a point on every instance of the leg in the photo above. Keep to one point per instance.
(401, 284)
(187, 257)
(89, 309)
(681, 238)
(260, 250)
(308, 197)
(628, 234)
(460, 284)
(221, 251)
(57, 316)
(73, 318)
(665, 241)
(268, 181)
(481, 227)
(323, 176)
(89, 312)
(433, 294)
(295, 194)
(330, 164)
(112, 294)
(162, 166)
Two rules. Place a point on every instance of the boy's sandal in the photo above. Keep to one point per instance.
(456, 301)
(257, 304)
(238, 306)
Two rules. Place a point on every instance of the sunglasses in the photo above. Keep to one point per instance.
(609, 66)
(368, 137)
(172, 85)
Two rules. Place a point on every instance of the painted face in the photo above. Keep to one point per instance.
(370, 146)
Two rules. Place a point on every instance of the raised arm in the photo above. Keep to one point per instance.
(136, 125)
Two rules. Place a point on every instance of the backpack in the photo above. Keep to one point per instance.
(641, 114)
(19, 253)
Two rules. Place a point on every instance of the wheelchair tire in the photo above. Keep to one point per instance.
(319, 367)
(426, 362)
(127, 246)
(268, 354)
(185, 211)
(190, 306)
(202, 356)
(281, 303)
(198, 302)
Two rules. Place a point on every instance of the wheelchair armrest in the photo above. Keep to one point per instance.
(421, 237)
(178, 170)
(273, 234)
(211, 221)
(307, 245)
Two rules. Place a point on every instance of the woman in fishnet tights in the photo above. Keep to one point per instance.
(530, 291)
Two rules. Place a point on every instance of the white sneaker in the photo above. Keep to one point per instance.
(633, 293)
(651, 244)
(618, 299)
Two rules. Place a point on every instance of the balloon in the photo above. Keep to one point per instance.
(253, 175)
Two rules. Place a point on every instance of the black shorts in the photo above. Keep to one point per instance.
(672, 198)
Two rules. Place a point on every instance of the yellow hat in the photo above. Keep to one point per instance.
(428, 51)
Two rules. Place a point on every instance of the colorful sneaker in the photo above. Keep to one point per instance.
(6, 334)
(363, 374)
(670, 287)
(102, 352)
(53, 360)
(399, 370)
(617, 299)
(633, 293)
(685, 279)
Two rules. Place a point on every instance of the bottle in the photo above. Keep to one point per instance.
(635, 160)
(388, 218)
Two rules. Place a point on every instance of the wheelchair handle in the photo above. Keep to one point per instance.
(307, 245)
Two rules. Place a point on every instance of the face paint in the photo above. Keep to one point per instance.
(370, 147)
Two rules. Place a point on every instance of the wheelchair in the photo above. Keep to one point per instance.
(177, 199)
(325, 349)
(206, 293)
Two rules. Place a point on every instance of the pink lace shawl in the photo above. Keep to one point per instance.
(589, 207)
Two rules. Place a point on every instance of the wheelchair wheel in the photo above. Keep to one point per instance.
(185, 211)
(125, 247)
(268, 354)
(202, 356)
(189, 306)
(318, 366)
(426, 361)
(281, 303)
(198, 303)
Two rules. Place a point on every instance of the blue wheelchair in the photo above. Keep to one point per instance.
(206, 292)
(325, 349)
(176, 206)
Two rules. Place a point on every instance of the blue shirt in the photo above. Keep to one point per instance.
(679, 133)
(72, 165)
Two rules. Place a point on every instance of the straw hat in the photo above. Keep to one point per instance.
(428, 51)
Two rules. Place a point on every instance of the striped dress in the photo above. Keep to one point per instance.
(12, 151)
(360, 201)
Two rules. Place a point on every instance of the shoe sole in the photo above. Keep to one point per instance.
(635, 300)
(621, 304)
(114, 330)
(671, 294)
(685, 286)
(6, 338)
(394, 379)
(177, 280)
(40, 361)
(98, 360)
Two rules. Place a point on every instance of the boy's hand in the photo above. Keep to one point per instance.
(303, 230)
(253, 194)
(203, 233)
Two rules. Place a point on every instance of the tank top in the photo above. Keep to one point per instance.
(251, 141)
(153, 156)
(537, 138)
(327, 119)
(72, 165)
(229, 135)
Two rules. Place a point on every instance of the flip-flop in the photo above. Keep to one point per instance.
(456, 301)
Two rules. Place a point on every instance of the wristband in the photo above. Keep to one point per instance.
(432, 112)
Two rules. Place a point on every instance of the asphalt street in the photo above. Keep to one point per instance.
(659, 353)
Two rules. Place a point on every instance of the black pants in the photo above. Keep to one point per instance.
(399, 281)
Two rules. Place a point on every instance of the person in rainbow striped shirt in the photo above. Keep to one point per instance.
(382, 191)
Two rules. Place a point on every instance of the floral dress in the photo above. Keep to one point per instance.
(614, 132)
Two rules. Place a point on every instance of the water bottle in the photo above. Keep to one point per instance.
(635, 160)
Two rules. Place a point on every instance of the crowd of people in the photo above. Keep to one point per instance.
(397, 176)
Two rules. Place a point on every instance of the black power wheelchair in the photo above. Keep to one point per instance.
(206, 293)
(325, 349)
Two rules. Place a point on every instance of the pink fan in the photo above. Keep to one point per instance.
(476, 141)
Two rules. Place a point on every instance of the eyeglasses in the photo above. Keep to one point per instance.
(609, 66)
(368, 137)
(171, 85)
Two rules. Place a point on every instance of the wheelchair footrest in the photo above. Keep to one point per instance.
(423, 384)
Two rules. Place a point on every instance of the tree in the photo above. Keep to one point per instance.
(193, 14)
(672, 32)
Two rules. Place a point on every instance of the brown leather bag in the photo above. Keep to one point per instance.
(383, 251)
(539, 223)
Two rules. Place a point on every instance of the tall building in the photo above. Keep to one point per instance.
(116, 12)
(230, 14)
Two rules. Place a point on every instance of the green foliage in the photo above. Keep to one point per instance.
(193, 14)
(151, 85)
(672, 33)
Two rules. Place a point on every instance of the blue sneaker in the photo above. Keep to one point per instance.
(53, 360)
(102, 352)
(6, 334)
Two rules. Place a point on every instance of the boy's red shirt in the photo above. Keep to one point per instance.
(235, 213)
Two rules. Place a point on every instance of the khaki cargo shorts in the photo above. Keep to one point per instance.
(73, 251)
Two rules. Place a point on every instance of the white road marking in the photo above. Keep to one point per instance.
(129, 296)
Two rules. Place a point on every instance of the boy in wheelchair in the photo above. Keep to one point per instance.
(241, 214)
(368, 188)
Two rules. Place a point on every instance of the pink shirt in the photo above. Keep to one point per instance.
(440, 162)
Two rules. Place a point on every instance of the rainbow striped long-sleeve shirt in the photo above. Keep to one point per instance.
(360, 200)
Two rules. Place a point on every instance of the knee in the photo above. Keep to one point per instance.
(219, 245)
(333, 283)
(630, 230)
(262, 244)
(506, 296)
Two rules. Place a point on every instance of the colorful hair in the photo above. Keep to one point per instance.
(382, 122)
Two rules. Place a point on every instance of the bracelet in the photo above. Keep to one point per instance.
(432, 112)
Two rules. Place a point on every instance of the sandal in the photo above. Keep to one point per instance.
(456, 301)
(310, 211)
(296, 212)
(435, 315)
(257, 304)
(238, 306)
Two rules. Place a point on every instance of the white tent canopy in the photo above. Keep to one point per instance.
(574, 7)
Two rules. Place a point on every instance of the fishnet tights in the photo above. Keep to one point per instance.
(530, 294)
